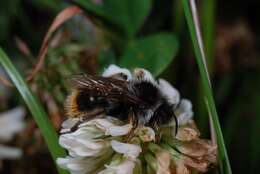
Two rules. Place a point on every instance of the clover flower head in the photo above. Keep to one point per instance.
(11, 122)
(106, 145)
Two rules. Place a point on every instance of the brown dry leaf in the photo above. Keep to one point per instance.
(22, 46)
(62, 17)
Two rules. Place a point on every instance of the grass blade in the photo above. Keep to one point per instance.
(39, 115)
(192, 20)
(208, 10)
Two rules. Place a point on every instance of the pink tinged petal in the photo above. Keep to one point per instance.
(200, 166)
(187, 134)
(181, 168)
(129, 150)
(171, 94)
(164, 161)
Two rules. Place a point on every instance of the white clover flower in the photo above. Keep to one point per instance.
(106, 145)
(11, 122)
(7, 152)
(87, 145)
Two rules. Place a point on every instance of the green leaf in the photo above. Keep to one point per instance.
(190, 14)
(153, 53)
(39, 115)
(105, 58)
(127, 15)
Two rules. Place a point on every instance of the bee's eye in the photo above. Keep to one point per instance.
(91, 99)
(85, 101)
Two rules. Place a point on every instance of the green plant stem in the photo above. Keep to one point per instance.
(208, 31)
(200, 58)
(41, 118)
(178, 17)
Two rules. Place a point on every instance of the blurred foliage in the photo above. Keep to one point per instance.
(127, 16)
(131, 33)
(160, 48)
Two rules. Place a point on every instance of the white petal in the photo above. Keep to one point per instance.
(119, 130)
(83, 143)
(10, 152)
(113, 70)
(126, 167)
(101, 123)
(11, 122)
(80, 165)
(172, 94)
(184, 112)
(129, 150)
(68, 124)
(109, 126)
(75, 165)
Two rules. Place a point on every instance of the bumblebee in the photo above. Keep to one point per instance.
(117, 93)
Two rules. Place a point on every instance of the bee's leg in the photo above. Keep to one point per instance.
(176, 123)
(156, 128)
(84, 119)
(133, 121)
(74, 127)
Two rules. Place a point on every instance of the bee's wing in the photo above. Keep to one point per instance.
(105, 87)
